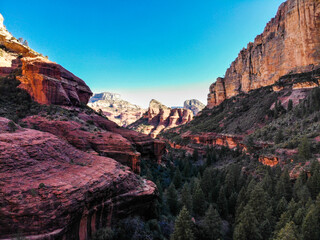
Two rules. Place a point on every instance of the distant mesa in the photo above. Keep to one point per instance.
(160, 118)
(116, 109)
(105, 96)
(194, 105)
(290, 43)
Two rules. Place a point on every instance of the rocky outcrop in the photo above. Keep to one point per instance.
(51, 190)
(125, 146)
(46, 81)
(269, 161)
(194, 105)
(49, 83)
(115, 109)
(290, 43)
(159, 118)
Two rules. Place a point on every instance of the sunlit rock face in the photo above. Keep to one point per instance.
(46, 81)
(159, 118)
(194, 105)
(116, 109)
(290, 43)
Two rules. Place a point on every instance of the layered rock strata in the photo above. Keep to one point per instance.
(116, 109)
(51, 190)
(290, 43)
(159, 118)
(46, 81)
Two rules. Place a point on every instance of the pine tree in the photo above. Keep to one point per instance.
(186, 197)
(290, 105)
(304, 149)
(248, 227)
(198, 201)
(212, 224)
(195, 155)
(172, 199)
(279, 137)
(310, 225)
(177, 179)
(183, 226)
(313, 184)
(281, 207)
(289, 232)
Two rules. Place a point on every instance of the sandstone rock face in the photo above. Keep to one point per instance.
(125, 146)
(159, 118)
(194, 105)
(114, 108)
(290, 43)
(49, 83)
(46, 81)
(51, 190)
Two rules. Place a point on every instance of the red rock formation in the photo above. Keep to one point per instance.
(269, 161)
(117, 143)
(49, 83)
(51, 190)
(46, 81)
(215, 139)
(289, 43)
(160, 118)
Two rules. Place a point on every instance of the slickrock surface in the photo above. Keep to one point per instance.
(123, 145)
(46, 81)
(194, 105)
(116, 109)
(290, 43)
(51, 190)
(159, 118)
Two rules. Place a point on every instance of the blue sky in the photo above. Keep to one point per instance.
(171, 50)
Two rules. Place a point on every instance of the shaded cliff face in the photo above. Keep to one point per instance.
(160, 118)
(51, 190)
(46, 81)
(194, 105)
(116, 109)
(290, 43)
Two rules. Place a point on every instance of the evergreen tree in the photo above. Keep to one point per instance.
(195, 155)
(310, 225)
(186, 198)
(313, 184)
(281, 207)
(289, 232)
(222, 203)
(248, 227)
(172, 199)
(212, 224)
(177, 179)
(183, 226)
(290, 105)
(279, 137)
(304, 149)
(198, 201)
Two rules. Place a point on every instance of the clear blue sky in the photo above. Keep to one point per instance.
(171, 50)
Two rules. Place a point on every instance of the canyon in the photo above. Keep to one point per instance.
(290, 43)
(66, 170)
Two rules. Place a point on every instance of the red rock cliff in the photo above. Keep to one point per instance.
(290, 43)
(51, 190)
(46, 81)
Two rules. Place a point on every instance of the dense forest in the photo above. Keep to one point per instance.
(201, 199)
